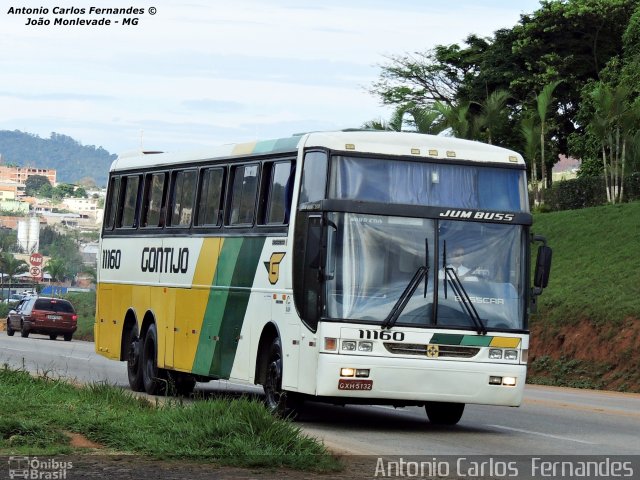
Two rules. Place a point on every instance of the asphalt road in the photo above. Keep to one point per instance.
(551, 421)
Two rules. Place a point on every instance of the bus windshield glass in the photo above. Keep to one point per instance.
(434, 184)
(373, 258)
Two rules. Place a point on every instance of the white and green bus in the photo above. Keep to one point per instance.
(347, 267)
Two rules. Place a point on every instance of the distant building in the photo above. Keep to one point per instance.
(566, 168)
(10, 190)
(14, 206)
(81, 205)
(20, 174)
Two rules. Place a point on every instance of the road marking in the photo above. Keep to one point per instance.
(531, 432)
(582, 408)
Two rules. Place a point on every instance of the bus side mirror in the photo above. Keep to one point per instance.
(543, 267)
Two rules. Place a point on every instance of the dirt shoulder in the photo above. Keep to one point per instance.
(586, 354)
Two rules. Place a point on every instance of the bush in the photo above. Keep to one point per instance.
(584, 192)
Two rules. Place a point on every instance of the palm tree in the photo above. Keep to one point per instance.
(423, 119)
(531, 133)
(543, 101)
(493, 112)
(57, 269)
(615, 125)
(455, 117)
(11, 267)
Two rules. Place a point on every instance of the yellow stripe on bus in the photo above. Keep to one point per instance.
(243, 148)
(505, 342)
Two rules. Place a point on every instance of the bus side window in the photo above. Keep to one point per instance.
(314, 177)
(182, 197)
(211, 187)
(129, 202)
(243, 194)
(153, 200)
(112, 203)
(278, 192)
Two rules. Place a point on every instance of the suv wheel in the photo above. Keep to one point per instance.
(24, 333)
(68, 337)
(10, 331)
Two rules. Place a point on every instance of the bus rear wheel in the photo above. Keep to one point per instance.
(134, 360)
(181, 383)
(443, 413)
(153, 377)
(278, 401)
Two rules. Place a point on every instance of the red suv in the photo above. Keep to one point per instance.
(49, 316)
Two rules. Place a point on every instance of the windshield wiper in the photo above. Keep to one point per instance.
(452, 278)
(406, 295)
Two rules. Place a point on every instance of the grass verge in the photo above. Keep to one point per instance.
(596, 266)
(37, 413)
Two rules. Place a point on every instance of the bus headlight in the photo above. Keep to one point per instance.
(365, 346)
(347, 372)
(511, 355)
(495, 353)
(349, 345)
(509, 381)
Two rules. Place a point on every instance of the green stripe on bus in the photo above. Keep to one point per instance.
(276, 145)
(476, 341)
(446, 339)
(215, 307)
(237, 268)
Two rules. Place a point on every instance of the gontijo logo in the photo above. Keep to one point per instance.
(273, 267)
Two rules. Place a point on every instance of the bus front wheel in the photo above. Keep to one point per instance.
(153, 377)
(443, 413)
(278, 401)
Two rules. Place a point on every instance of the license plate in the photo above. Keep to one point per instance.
(54, 317)
(355, 384)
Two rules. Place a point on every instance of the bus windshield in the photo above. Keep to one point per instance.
(373, 258)
(434, 184)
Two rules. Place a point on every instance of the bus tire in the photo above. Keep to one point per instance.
(153, 377)
(444, 413)
(278, 401)
(134, 360)
(181, 383)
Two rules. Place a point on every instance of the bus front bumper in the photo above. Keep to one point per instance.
(420, 380)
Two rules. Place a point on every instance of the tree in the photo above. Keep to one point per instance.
(11, 267)
(57, 269)
(569, 40)
(530, 131)
(420, 119)
(543, 102)
(493, 114)
(615, 124)
(34, 183)
(456, 117)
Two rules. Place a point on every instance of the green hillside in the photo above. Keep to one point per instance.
(72, 160)
(587, 330)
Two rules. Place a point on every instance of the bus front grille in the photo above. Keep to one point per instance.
(449, 351)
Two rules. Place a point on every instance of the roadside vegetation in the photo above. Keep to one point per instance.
(85, 305)
(587, 330)
(239, 432)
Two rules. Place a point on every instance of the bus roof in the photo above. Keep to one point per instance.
(406, 144)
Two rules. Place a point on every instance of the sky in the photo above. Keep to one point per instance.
(202, 73)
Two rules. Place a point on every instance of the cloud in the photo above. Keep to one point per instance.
(60, 97)
(209, 105)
